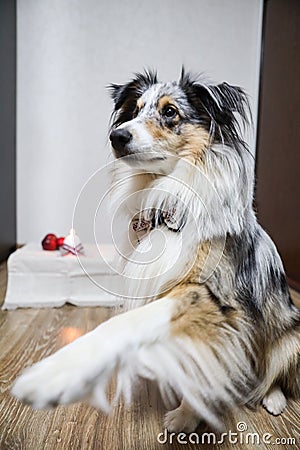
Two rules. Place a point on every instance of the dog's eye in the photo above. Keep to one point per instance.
(169, 112)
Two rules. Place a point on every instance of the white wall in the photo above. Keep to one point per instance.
(69, 50)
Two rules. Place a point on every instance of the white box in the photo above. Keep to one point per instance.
(39, 278)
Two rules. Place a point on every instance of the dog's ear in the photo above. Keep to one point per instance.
(117, 92)
(217, 107)
(125, 96)
(225, 100)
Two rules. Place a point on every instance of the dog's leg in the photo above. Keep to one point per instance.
(274, 401)
(184, 341)
(282, 372)
(182, 418)
(71, 373)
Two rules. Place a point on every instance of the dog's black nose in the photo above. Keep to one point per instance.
(119, 139)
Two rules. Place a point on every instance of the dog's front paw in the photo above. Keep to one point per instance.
(48, 383)
(66, 376)
(274, 402)
(180, 419)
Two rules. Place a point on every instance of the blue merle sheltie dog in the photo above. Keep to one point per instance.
(209, 316)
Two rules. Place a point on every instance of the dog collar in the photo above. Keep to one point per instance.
(142, 227)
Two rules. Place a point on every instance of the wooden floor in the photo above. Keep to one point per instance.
(27, 335)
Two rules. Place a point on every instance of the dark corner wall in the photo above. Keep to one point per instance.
(278, 145)
(7, 127)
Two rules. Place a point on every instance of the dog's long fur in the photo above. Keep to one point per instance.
(214, 323)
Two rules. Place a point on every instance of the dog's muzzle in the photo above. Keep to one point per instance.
(120, 140)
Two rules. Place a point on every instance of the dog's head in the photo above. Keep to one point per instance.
(155, 120)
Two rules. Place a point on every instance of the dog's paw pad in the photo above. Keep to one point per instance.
(274, 402)
(180, 420)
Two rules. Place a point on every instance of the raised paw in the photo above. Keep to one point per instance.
(47, 384)
(274, 402)
(67, 376)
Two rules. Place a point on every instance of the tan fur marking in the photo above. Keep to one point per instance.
(139, 104)
(202, 254)
(190, 143)
(209, 255)
(164, 101)
(162, 133)
(196, 141)
(196, 315)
